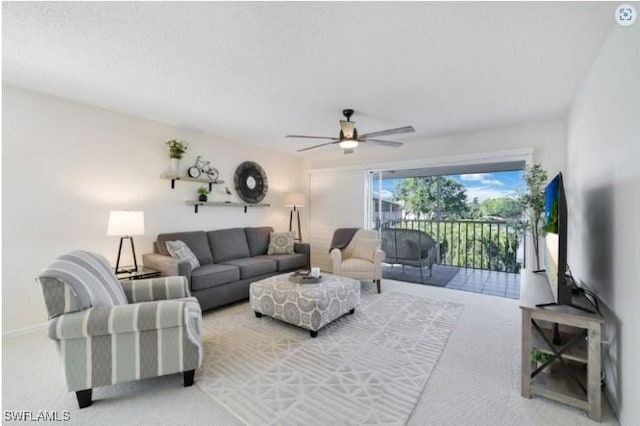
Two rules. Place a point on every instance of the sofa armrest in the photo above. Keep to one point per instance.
(151, 289)
(120, 319)
(167, 265)
(303, 248)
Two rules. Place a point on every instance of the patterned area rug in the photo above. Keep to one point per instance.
(440, 274)
(370, 367)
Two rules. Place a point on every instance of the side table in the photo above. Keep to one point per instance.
(572, 374)
(141, 273)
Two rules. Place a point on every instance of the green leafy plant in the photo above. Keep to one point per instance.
(539, 356)
(176, 148)
(203, 190)
(533, 202)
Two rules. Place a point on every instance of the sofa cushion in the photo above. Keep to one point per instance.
(288, 262)
(196, 241)
(213, 275)
(179, 250)
(227, 244)
(253, 266)
(258, 239)
(281, 243)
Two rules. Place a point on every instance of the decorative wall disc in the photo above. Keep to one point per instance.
(251, 182)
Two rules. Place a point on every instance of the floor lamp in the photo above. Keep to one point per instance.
(125, 224)
(295, 201)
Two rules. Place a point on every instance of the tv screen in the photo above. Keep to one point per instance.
(555, 224)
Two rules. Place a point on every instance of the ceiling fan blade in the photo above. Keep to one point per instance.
(385, 143)
(312, 137)
(317, 146)
(406, 129)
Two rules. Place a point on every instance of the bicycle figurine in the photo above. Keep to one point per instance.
(202, 167)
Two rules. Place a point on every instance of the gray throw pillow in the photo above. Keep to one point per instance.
(179, 250)
(280, 243)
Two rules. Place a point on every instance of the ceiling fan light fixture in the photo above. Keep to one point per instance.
(348, 144)
(348, 129)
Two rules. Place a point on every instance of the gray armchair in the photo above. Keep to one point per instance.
(409, 247)
(112, 332)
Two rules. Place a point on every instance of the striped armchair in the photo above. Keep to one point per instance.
(111, 332)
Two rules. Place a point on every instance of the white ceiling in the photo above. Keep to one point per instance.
(253, 72)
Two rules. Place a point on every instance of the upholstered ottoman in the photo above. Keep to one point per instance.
(310, 306)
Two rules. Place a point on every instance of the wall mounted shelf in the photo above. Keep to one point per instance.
(190, 179)
(196, 204)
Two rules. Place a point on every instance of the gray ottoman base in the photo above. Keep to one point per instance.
(310, 306)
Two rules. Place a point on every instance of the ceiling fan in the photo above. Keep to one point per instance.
(348, 138)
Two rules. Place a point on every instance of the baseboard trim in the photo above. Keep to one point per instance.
(25, 330)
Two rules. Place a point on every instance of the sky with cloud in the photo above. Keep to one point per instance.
(481, 185)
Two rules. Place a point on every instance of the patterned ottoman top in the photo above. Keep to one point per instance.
(281, 283)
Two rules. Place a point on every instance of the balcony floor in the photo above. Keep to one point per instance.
(495, 283)
(503, 284)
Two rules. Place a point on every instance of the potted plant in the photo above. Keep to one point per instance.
(176, 150)
(203, 191)
(540, 357)
(533, 202)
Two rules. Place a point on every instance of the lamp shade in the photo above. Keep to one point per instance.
(125, 223)
(294, 199)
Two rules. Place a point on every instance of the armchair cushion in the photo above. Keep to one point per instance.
(89, 275)
(365, 248)
(148, 290)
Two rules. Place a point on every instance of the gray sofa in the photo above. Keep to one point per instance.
(409, 247)
(230, 260)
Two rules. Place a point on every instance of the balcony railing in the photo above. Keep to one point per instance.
(491, 245)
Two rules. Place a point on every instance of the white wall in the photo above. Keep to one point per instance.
(336, 200)
(603, 191)
(65, 165)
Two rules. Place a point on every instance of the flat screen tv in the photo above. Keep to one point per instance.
(555, 223)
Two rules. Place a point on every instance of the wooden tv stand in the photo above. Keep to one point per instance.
(573, 375)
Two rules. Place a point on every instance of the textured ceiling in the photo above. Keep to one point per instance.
(253, 72)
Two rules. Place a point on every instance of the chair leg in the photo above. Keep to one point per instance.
(378, 284)
(84, 398)
(188, 377)
(421, 275)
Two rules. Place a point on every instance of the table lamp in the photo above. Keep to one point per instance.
(125, 224)
(294, 200)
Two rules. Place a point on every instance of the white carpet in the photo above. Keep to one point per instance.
(475, 382)
(370, 367)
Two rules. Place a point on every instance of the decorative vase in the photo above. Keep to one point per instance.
(175, 167)
(202, 198)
